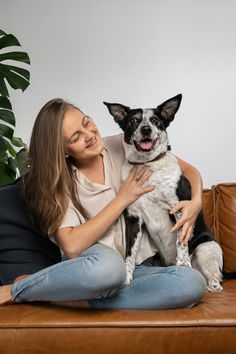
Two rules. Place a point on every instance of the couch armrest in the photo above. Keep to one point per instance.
(225, 222)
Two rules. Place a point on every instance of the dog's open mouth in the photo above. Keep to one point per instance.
(145, 144)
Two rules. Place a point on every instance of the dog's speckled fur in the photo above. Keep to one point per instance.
(145, 139)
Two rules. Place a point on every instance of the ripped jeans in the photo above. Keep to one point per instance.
(98, 275)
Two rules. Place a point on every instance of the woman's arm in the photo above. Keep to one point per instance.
(74, 240)
(190, 208)
(195, 179)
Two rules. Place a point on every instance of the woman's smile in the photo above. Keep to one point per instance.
(92, 143)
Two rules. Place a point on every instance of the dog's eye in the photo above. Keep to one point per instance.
(134, 120)
(155, 120)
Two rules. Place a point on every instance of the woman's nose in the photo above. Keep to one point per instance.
(88, 134)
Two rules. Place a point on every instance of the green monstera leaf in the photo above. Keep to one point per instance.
(17, 78)
(12, 150)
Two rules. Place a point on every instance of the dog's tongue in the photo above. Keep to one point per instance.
(145, 144)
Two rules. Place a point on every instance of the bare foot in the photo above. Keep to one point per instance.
(5, 295)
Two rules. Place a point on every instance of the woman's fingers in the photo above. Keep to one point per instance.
(140, 177)
(144, 177)
(137, 172)
(149, 188)
(178, 225)
(179, 206)
(186, 233)
(132, 173)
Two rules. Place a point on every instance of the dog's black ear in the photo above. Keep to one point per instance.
(167, 110)
(118, 111)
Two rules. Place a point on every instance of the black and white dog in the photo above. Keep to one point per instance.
(146, 142)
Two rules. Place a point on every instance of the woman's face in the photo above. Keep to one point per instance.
(82, 138)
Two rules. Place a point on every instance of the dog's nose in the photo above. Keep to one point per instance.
(146, 130)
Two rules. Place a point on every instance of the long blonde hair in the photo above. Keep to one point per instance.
(49, 183)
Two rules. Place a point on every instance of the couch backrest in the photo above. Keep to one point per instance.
(23, 248)
(219, 208)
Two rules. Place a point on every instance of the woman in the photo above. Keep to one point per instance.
(73, 187)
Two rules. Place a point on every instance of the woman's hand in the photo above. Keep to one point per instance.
(190, 210)
(94, 229)
(133, 187)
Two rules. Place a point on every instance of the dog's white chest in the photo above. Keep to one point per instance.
(166, 174)
(153, 208)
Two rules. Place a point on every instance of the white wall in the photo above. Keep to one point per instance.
(139, 53)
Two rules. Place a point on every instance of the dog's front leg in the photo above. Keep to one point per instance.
(133, 237)
(183, 258)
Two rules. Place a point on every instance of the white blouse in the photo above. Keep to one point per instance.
(94, 197)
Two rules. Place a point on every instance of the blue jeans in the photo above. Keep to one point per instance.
(98, 275)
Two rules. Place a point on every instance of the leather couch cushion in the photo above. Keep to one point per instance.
(225, 224)
(208, 328)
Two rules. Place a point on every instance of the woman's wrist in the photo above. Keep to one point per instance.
(197, 201)
(121, 202)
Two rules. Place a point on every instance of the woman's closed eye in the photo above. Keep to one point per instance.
(74, 138)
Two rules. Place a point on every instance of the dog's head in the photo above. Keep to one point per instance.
(145, 136)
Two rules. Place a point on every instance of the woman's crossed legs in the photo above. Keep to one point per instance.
(98, 275)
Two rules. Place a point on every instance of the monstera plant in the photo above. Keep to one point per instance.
(12, 149)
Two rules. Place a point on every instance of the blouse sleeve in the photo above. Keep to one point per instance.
(72, 217)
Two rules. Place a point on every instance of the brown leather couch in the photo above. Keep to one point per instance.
(209, 327)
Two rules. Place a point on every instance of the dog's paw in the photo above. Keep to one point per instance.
(214, 285)
(129, 278)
